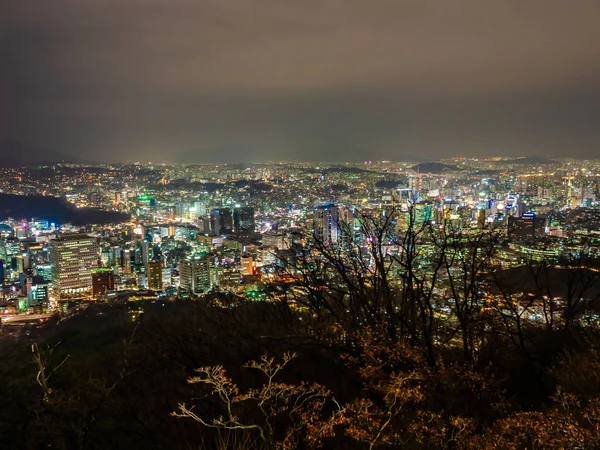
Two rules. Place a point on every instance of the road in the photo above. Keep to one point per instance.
(21, 319)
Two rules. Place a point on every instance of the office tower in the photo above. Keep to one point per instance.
(142, 280)
(126, 260)
(137, 254)
(276, 240)
(227, 221)
(330, 223)
(526, 228)
(145, 249)
(44, 271)
(18, 264)
(243, 219)
(115, 256)
(326, 224)
(38, 294)
(203, 224)
(267, 256)
(73, 257)
(154, 271)
(215, 222)
(194, 274)
(221, 221)
(12, 247)
(422, 214)
(248, 265)
(103, 280)
(105, 257)
(166, 276)
(141, 252)
(37, 290)
(200, 208)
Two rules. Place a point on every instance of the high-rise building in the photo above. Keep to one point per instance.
(141, 252)
(248, 265)
(243, 219)
(154, 270)
(73, 257)
(267, 256)
(12, 247)
(115, 256)
(330, 223)
(166, 276)
(221, 221)
(18, 265)
(526, 228)
(275, 239)
(103, 280)
(194, 274)
(37, 294)
(326, 224)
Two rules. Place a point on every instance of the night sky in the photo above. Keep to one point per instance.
(253, 80)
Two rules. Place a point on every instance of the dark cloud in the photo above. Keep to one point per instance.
(337, 79)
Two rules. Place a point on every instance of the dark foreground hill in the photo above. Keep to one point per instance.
(112, 382)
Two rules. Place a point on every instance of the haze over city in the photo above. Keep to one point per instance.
(251, 81)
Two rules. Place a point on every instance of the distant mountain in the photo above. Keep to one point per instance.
(433, 167)
(14, 153)
(531, 160)
(54, 209)
(255, 156)
(410, 159)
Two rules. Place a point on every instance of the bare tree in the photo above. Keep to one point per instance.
(301, 406)
(468, 260)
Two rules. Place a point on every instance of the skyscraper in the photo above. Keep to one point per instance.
(103, 280)
(73, 257)
(221, 221)
(154, 271)
(194, 274)
(526, 228)
(330, 222)
(243, 219)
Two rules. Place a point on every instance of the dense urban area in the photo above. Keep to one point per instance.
(450, 304)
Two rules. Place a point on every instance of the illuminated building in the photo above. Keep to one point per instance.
(194, 274)
(248, 265)
(73, 257)
(154, 271)
(12, 247)
(276, 240)
(38, 294)
(243, 219)
(326, 223)
(166, 276)
(103, 281)
(526, 228)
(221, 221)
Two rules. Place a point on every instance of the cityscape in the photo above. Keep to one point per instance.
(298, 225)
(454, 257)
(187, 230)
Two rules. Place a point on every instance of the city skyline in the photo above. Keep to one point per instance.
(246, 81)
(276, 224)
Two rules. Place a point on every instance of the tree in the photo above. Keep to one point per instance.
(281, 414)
